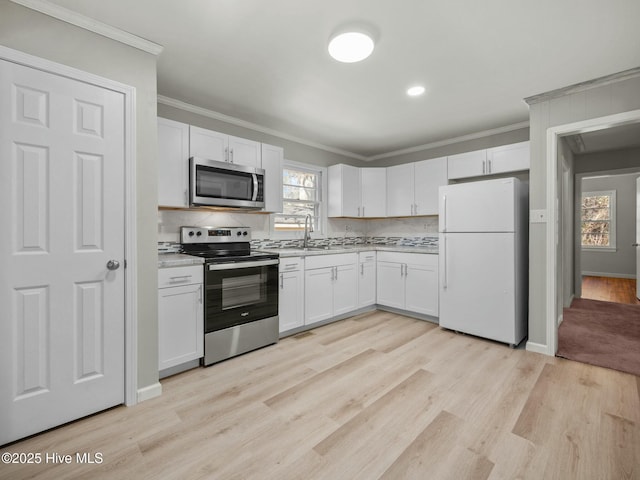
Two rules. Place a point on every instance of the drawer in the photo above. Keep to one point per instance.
(367, 257)
(323, 261)
(174, 276)
(290, 264)
(425, 259)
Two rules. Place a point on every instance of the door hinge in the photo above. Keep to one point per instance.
(125, 263)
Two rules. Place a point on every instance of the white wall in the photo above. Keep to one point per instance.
(622, 262)
(587, 101)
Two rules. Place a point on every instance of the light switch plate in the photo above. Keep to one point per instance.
(538, 216)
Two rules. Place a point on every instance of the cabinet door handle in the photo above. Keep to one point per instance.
(362, 269)
(186, 197)
(226, 154)
(231, 155)
(484, 166)
(489, 166)
(200, 294)
(336, 272)
(281, 281)
(406, 270)
(358, 211)
(415, 208)
(363, 211)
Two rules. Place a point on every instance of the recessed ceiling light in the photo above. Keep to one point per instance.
(350, 47)
(415, 91)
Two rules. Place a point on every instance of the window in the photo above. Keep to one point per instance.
(599, 220)
(301, 196)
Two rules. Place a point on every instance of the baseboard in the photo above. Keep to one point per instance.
(149, 392)
(406, 313)
(609, 275)
(538, 348)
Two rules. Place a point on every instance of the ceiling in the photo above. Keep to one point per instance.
(266, 62)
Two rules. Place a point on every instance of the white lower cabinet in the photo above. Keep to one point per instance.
(291, 294)
(366, 279)
(408, 281)
(180, 315)
(331, 286)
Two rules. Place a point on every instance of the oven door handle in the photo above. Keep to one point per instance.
(237, 265)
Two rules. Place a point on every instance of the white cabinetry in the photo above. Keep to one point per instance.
(180, 315)
(357, 192)
(331, 286)
(408, 281)
(366, 279)
(412, 188)
(291, 297)
(223, 148)
(173, 163)
(272, 160)
(492, 161)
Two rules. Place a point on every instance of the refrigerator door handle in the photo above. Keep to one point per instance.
(444, 258)
(444, 213)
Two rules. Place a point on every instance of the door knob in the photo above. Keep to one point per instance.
(113, 264)
(635, 244)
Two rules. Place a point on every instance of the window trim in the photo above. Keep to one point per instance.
(612, 247)
(322, 192)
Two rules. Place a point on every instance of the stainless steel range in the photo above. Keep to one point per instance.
(241, 291)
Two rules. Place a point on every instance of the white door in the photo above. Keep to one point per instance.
(400, 190)
(477, 284)
(291, 300)
(430, 175)
(390, 284)
(373, 191)
(637, 237)
(62, 195)
(485, 206)
(208, 144)
(345, 289)
(318, 295)
(244, 152)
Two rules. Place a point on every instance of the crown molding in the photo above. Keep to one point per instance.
(451, 141)
(172, 102)
(82, 21)
(582, 86)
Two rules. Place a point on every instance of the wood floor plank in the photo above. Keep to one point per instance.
(378, 395)
(439, 440)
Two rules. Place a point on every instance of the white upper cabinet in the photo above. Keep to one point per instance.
(502, 159)
(508, 158)
(400, 190)
(412, 188)
(429, 176)
(469, 164)
(356, 192)
(208, 144)
(272, 161)
(373, 192)
(223, 148)
(244, 152)
(173, 163)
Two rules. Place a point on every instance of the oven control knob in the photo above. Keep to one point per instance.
(199, 234)
(239, 233)
(191, 233)
(244, 233)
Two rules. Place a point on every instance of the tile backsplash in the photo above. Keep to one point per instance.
(339, 230)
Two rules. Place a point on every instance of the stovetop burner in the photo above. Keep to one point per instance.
(220, 244)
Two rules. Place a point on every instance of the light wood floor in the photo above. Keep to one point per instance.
(375, 396)
(618, 290)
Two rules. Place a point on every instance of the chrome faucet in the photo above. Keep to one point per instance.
(308, 228)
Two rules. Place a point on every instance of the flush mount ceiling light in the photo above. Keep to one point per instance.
(415, 91)
(350, 47)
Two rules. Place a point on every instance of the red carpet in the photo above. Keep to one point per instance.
(601, 333)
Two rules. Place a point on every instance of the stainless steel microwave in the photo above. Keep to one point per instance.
(223, 184)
